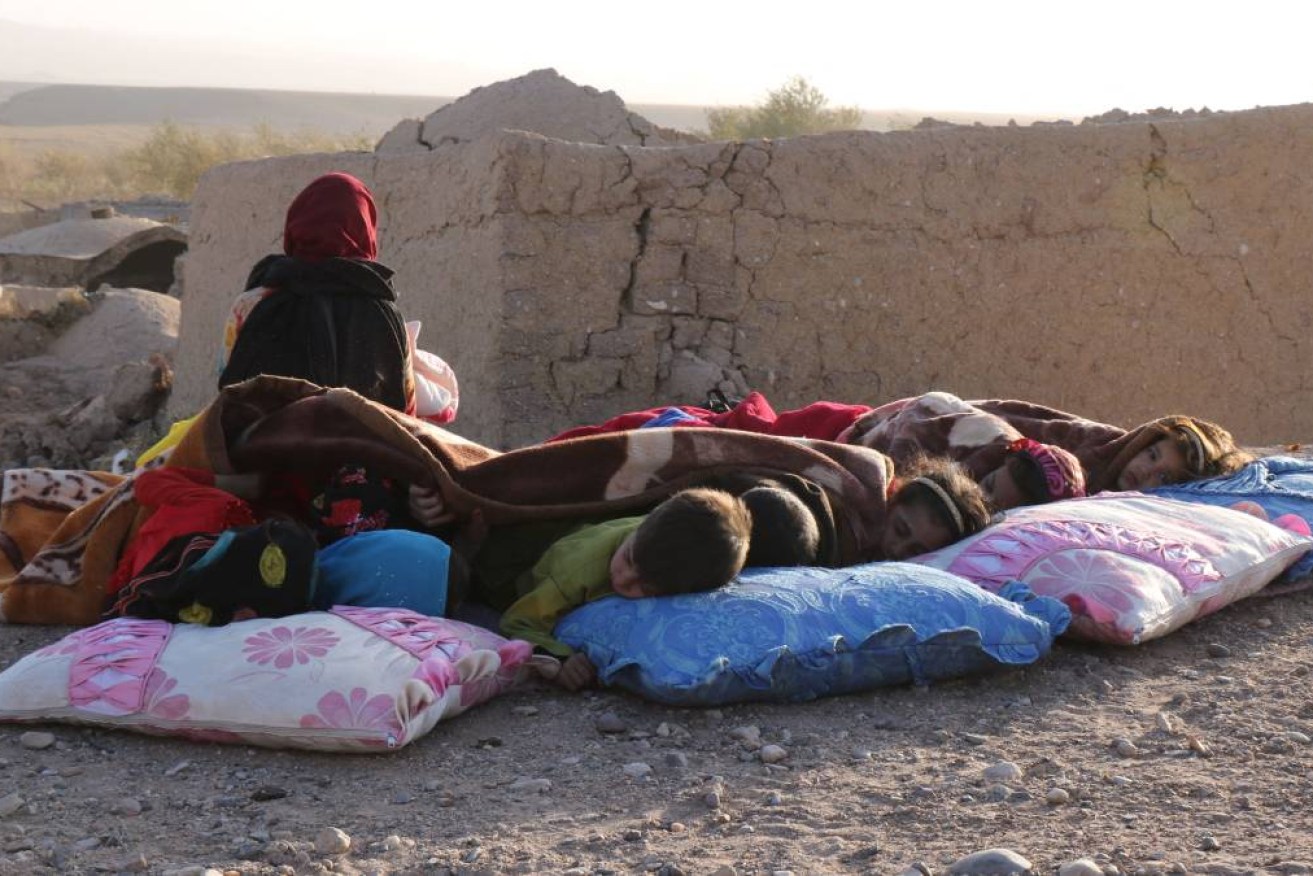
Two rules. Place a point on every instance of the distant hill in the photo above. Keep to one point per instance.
(226, 107)
(27, 104)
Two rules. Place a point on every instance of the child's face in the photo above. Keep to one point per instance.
(1158, 464)
(1001, 489)
(912, 530)
(625, 579)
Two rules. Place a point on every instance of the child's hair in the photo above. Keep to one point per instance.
(1207, 448)
(947, 491)
(1044, 472)
(784, 530)
(693, 541)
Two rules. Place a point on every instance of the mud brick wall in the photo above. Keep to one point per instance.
(1121, 271)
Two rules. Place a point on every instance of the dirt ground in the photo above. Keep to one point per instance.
(1219, 782)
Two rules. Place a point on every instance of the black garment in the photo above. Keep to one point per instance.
(213, 578)
(334, 323)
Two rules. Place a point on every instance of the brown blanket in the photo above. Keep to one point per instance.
(976, 434)
(58, 555)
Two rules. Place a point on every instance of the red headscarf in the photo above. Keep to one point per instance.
(333, 217)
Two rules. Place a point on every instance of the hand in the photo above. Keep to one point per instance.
(577, 673)
(428, 507)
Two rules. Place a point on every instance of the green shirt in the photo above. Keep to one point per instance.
(575, 570)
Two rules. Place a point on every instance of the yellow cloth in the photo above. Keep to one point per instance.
(168, 442)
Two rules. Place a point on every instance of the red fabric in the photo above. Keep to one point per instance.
(193, 504)
(333, 217)
(822, 420)
(634, 420)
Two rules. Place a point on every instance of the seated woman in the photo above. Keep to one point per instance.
(325, 311)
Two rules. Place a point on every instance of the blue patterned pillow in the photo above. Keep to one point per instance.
(798, 634)
(1276, 485)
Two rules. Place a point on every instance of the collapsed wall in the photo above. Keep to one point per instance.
(1120, 271)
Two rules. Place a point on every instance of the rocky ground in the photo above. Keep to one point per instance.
(1187, 755)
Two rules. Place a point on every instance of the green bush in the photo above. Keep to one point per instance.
(796, 107)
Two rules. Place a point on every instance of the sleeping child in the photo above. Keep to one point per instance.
(694, 541)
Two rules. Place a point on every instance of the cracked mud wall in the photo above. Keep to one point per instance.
(1120, 271)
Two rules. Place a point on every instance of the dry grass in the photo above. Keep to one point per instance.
(51, 165)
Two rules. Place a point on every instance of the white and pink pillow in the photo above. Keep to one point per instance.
(1130, 567)
(349, 679)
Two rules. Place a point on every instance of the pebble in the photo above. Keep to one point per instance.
(401, 798)
(1168, 723)
(974, 739)
(1125, 747)
(1057, 797)
(1209, 843)
(177, 768)
(1003, 771)
(1217, 649)
(393, 843)
(332, 841)
(1080, 867)
(1296, 736)
(999, 793)
(748, 736)
(610, 722)
(265, 793)
(192, 870)
(773, 753)
(676, 759)
(725, 870)
(526, 711)
(774, 799)
(990, 862)
(87, 844)
(637, 770)
(126, 807)
(35, 740)
(678, 827)
(712, 799)
(1198, 746)
(526, 785)
(1263, 623)
(1120, 781)
(861, 754)
(10, 804)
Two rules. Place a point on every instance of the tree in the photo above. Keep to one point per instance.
(797, 107)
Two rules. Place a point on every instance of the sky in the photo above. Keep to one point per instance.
(986, 56)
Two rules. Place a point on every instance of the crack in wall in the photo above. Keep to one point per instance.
(1258, 302)
(643, 230)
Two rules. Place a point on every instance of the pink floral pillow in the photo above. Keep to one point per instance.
(1130, 567)
(349, 679)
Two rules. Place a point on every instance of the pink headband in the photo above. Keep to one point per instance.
(1063, 477)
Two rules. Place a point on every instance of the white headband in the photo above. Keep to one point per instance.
(1197, 444)
(947, 500)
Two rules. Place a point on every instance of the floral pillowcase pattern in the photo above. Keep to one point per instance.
(1131, 567)
(349, 679)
